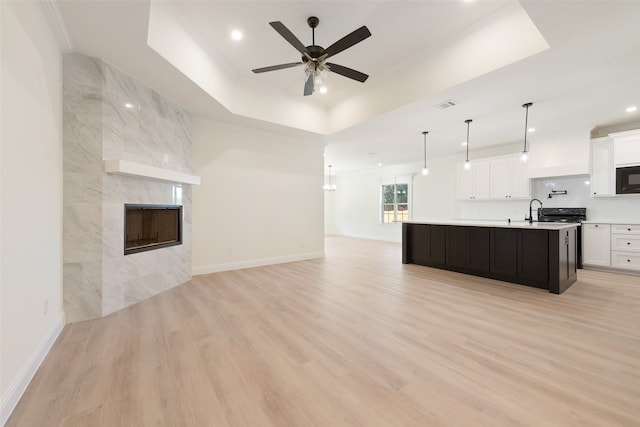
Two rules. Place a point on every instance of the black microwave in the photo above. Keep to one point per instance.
(628, 180)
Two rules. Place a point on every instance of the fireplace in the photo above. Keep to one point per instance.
(148, 227)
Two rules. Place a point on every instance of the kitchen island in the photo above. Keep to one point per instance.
(542, 254)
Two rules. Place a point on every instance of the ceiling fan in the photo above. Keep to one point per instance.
(314, 57)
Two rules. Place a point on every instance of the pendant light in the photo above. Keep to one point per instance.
(467, 165)
(329, 187)
(525, 153)
(425, 169)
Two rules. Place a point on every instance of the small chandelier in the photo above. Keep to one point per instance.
(525, 153)
(425, 169)
(467, 165)
(329, 186)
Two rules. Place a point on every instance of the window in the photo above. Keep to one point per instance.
(395, 202)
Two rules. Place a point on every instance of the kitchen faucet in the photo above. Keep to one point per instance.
(530, 219)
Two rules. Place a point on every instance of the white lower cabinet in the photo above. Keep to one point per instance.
(611, 245)
(596, 244)
(627, 260)
(625, 246)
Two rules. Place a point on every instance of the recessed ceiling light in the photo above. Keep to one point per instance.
(236, 35)
(129, 105)
(323, 89)
(631, 109)
(463, 143)
(531, 130)
(379, 164)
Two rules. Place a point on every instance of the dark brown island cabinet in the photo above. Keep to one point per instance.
(542, 256)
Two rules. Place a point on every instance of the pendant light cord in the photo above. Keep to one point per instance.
(425, 148)
(526, 123)
(468, 121)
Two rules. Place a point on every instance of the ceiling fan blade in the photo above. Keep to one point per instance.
(277, 67)
(348, 72)
(288, 36)
(346, 42)
(308, 85)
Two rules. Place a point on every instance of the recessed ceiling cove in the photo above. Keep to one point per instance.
(418, 49)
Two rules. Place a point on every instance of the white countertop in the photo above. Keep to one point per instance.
(498, 223)
(616, 222)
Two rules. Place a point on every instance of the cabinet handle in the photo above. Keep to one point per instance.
(628, 243)
(628, 260)
(628, 229)
(596, 225)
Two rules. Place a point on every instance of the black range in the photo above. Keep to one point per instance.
(570, 215)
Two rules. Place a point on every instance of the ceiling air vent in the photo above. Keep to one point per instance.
(444, 105)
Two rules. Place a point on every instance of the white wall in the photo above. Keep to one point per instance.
(354, 208)
(260, 201)
(31, 197)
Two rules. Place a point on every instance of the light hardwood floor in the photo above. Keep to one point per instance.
(355, 339)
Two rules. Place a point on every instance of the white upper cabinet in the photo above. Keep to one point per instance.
(481, 179)
(464, 181)
(500, 178)
(474, 183)
(509, 178)
(493, 178)
(603, 178)
(627, 147)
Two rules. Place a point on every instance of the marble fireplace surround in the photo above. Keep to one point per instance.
(146, 140)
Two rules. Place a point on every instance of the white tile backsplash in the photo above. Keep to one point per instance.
(577, 188)
(616, 208)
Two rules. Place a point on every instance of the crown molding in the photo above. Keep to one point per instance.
(53, 16)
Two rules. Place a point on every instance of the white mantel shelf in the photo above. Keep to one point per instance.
(125, 167)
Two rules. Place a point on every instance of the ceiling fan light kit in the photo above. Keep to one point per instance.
(314, 57)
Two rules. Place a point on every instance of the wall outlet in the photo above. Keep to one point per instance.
(46, 305)
(166, 158)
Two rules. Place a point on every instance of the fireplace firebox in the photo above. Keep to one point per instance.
(148, 227)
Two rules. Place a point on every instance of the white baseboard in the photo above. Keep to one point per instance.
(19, 384)
(238, 265)
(367, 237)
